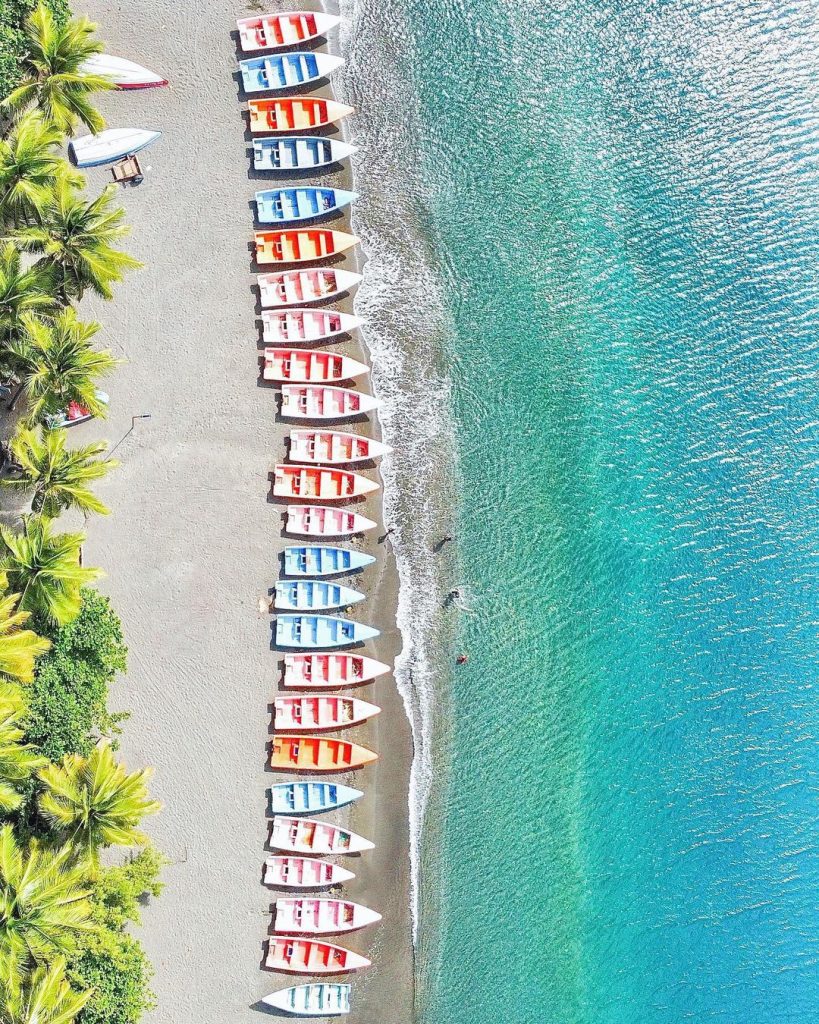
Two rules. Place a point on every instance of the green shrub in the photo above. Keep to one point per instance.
(13, 14)
(119, 891)
(67, 701)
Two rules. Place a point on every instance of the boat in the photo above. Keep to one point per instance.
(275, 31)
(320, 482)
(304, 873)
(110, 145)
(330, 670)
(294, 325)
(321, 631)
(287, 71)
(300, 245)
(310, 797)
(301, 202)
(123, 73)
(306, 366)
(334, 447)
(75, 413)
(321, 711)
(323, 560)
(298, 153)
(294, 113)
(325, 521)
(311, 956)
(314, 916)
(313, 284)
(321, 999)
(307, 835)
(314, 595)
(317, 402)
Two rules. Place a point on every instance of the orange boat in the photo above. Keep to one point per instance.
(309, 956)
(320, 483)
(301, 245)
(294, 114)
(318, 754)
(309, 366)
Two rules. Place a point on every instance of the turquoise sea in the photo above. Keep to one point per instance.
(617, 209)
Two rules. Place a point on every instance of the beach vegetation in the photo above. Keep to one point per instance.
(55, 476)
(30, 167)
(14, 40)
(18, 760)
(44, 997)
(19, 646)
(53, 79)
(23, 290)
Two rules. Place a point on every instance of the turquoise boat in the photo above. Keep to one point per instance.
(261, 74)
(314, 595)
(322, 999)
(319, 631)
(303, 202)
(323, 560)
(310, 797)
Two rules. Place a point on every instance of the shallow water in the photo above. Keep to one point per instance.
(612, 209)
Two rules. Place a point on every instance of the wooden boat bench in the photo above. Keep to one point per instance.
(128, 171)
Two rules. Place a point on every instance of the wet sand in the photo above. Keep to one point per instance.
(192, 547)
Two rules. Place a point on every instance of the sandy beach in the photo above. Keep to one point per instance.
(192, 547)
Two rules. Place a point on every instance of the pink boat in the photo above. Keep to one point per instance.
(304, 873)
(310, 956)
(321, 711)
(334, 447)
(276, 31)
(282, 326)
(313, 916)
(325, 521)
(331, 670)
(321, 483)
(312, 284)
(309, 366)
(316, 402)
(314, 837)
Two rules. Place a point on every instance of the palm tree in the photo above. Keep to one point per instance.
(93, 801)
(57, 475)
(53, 76)
(45, 568)
(76, 240)
(56, 365)
(17, 760)
(22, 290)
(19, 648)
(30, 167)
(44, 904)
(43, 997)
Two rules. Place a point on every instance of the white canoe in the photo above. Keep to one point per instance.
(304, 873)
(296, 325)
(276, 31)
(314, 284)
(321, 711)
(110, 145)
(321, 999)
(333, 447)
(125, 74)
(325, 521)
(313, 916)
(324, 402)
(330, 670)
(314, 837)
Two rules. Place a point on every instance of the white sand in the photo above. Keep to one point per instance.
(191, 545)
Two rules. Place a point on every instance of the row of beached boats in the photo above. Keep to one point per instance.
(312, 596)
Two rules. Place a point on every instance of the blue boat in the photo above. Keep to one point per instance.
(260, 74)
(310, 797)
(298, 153)
(303, 202)
(319, 631)
(314, 595)
(323, 560)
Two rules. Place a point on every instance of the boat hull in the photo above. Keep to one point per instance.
(110, 145)
(300, 245)
(287, 71)
(323, 560)
(310, 797)
(324, 402)
(286, 326)
(296, 113)
(277, 31)
(314, 595)
(331, 670)
(318, 754)
(285, 288)
(321, 711)
(294, 872)
(284, 153)
(311, 956)
(315, 838)
(320, 484)
(292, 205)
(334, 448)
(325, 521)
(311, 915)
(316, 1000)
(125, 74)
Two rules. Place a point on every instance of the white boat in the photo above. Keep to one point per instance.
(283, 326)
(125, 74)
(316, 1000)
(325, 521)
(298, 153)
(313, 284)
(110, 145)
(309, 915)
(322, 402)
(304, 873)
(276, 31)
